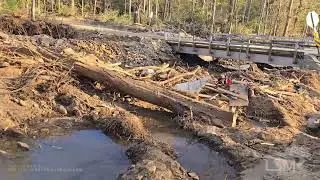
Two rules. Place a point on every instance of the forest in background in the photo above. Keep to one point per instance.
(201, 17)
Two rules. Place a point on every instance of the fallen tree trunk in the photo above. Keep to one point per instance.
(168, 99)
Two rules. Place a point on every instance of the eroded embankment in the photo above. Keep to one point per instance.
(43, 96)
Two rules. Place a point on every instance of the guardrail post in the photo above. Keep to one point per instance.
(296, 47)
(270, 50)
(210, 42)
(193, 44)
(228, 46)
(248, 49)
(179, 41)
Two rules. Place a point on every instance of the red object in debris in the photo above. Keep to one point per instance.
(228, 81)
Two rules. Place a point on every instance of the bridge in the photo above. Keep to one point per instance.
(276, 51)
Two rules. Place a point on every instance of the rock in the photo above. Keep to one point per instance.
(3, 153)
(68, 51)
(24, 146)
(15, 100)
(59, 43)
(62, 110)
(13, 132)
(193, 175)
(45, 40)
(314, 123)
(22, 103)
(19, 101)
(147, 72)
(163, 76)
(4, 64)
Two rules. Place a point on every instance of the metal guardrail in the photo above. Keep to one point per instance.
(247, 47)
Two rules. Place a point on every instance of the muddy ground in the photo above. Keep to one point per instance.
(41, 95)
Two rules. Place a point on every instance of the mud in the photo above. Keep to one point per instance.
(19, 26)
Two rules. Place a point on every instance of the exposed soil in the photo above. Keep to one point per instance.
(41, 95)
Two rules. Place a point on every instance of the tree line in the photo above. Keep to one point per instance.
(263, 17)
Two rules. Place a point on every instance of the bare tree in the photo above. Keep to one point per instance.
(297, 12)
(249, 10)
(144, 6)
(52, 5)
(157, 8)
(95, 7)
(245, 11)
(288, 19)
(165, 9)
(33, 10)
(59, 5)
(277, 20)
(214, 8)
(72, 6)
(130, 8)
(262, 15)
(231, 14)
(125, 6)
(39, 7)
(82, 7)
(149, 7)
(266, 18)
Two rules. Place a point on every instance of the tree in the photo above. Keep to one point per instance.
(262, 15)
(72, 6)
(288, 19)
(33, 10)
(94, 7)
(214, 8)
(82, 7)
(130, 8)
(231, 14)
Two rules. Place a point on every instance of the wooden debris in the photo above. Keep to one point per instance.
(23, 146)
(181, 76)
(223, 91)
(242, 90)
(174, 101)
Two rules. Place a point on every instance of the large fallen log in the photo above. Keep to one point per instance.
(177, 103)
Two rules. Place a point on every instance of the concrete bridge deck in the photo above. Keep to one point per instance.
(276, 51)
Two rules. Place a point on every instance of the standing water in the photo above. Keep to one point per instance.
(197, 157)
(192, 155)
(82, 155)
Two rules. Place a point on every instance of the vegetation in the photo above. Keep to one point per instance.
(265, 17)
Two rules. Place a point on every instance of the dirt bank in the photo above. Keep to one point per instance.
(155, 160)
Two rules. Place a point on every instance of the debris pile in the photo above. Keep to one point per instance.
(49, 85)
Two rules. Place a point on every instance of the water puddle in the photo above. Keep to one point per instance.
(193, 156)
(197, 157)
(85, 154)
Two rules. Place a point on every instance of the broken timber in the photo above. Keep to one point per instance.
(168, 99)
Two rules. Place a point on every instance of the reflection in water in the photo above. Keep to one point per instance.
(87, 154)
(197, 157)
